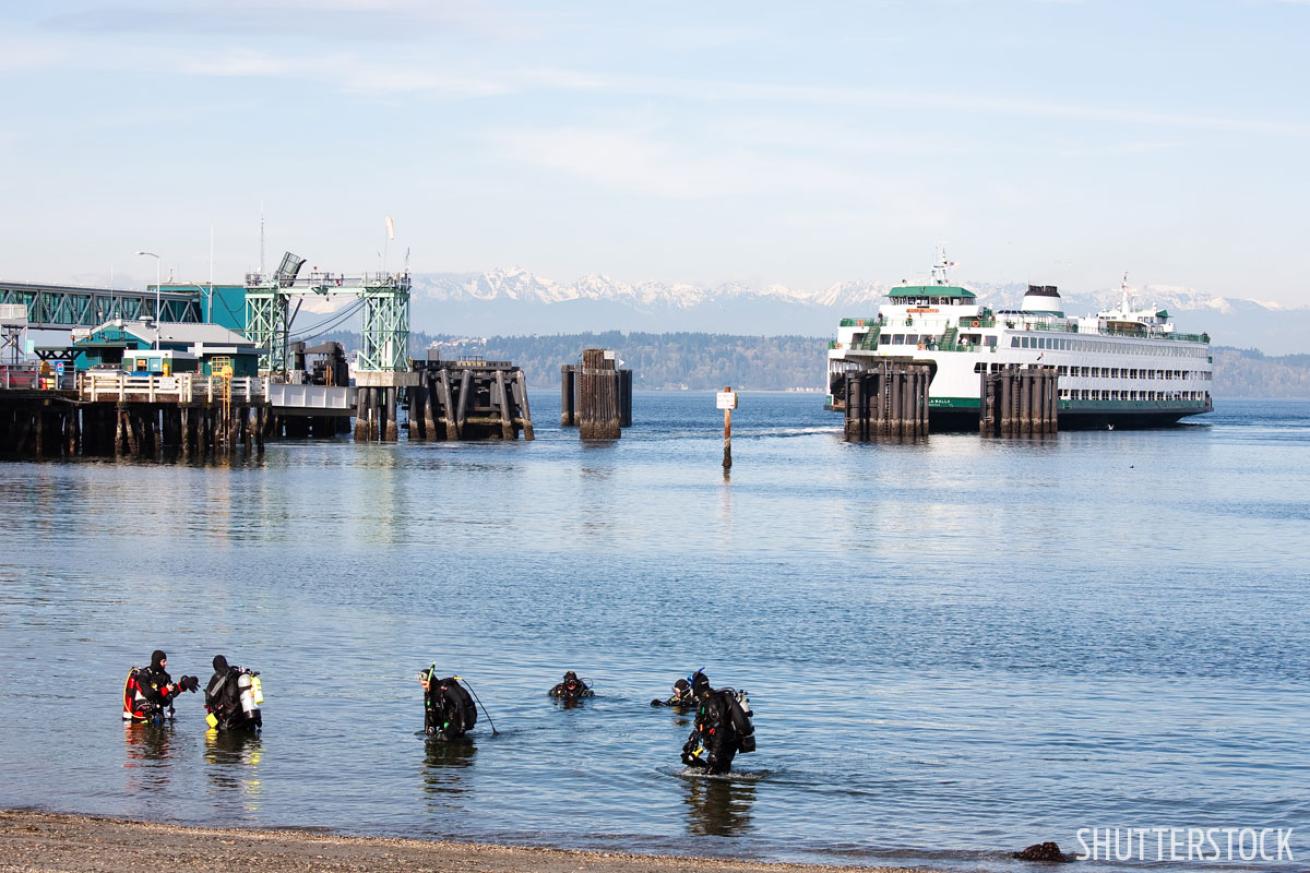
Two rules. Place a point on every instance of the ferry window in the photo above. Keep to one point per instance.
(912, 339)
(991, 342)
(896, 339)
(978, 367)
(1014, 342)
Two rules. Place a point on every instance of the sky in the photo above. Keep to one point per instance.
(796, 143)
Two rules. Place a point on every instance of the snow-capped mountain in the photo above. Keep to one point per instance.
(519, 301)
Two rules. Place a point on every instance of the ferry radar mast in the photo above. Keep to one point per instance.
(939, 269)
(1123, 290)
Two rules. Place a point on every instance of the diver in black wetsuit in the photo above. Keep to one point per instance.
(571, 688)
(230, 697)
(723, 728)
(681, 698)
(448, 709)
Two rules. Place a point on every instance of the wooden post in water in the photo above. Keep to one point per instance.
(568, 412)
(521, 401)
(854, 394)
(727, 401)
(506, 407)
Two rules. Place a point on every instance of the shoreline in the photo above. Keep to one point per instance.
(33, 840)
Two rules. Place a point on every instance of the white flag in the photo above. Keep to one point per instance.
(391, 228)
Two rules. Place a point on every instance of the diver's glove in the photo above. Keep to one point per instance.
(189, 683)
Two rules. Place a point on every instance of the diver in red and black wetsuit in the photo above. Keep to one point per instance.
(149, 692)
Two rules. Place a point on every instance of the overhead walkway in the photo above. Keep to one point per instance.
(63, 307)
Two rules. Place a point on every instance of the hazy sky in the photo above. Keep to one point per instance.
(801, 143)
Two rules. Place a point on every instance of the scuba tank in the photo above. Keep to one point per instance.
(245, 686)
(257, 689)
(744, 725)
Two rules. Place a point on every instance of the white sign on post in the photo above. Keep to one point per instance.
(726, 400)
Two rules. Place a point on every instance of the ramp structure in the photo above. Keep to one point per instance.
(382, 362)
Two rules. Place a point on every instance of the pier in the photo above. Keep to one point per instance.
(119, 415)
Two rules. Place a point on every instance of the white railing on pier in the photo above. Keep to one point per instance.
(182, 388)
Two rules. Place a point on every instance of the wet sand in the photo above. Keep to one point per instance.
(32, 841)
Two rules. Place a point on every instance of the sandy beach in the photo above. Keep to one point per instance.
(42, 841)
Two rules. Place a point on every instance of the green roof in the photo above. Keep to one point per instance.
(930, 291)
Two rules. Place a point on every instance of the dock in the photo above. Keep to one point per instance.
(119, 415)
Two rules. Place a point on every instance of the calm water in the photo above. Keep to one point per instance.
(954, 649)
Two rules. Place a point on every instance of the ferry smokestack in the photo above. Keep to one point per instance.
(1043, 299)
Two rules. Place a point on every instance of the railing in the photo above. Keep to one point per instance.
(183, 388)
(28, 378)
(1048, 327)
(18, 378)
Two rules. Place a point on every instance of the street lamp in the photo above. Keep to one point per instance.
(158, 314)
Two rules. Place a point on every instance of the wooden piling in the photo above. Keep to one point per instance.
(568, 387)
(598, 410)
(889, 399)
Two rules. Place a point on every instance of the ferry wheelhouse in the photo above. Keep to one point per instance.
(1121, 366)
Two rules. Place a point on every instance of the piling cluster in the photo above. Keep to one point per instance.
(469, 400)
(1019, 401)
(888, 399)
(596, 396)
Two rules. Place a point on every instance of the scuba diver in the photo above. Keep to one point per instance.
(148, 692)
(682, 698)
(723, 727)
(233, 697)
(448, 709)
(571, 688)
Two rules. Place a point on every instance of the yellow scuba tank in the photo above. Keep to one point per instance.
(257, 690)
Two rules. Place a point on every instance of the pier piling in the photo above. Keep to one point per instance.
(1014, 401)
(889, 399)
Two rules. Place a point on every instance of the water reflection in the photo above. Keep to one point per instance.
(233, 759)
(147, 755)
(444, 766)
(718, 807)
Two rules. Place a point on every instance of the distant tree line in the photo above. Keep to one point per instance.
(706, 361)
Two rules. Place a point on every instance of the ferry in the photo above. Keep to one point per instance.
(1124, 366)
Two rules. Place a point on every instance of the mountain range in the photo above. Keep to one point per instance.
(517, 301)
